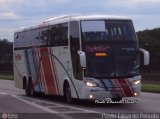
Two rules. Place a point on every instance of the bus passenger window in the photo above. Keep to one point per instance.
(75, 46)
(44, 36)
(59, 35)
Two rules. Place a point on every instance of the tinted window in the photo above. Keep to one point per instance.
(103, 30)
(120, 30)
(19, 40)
(27, 38)
(56, 35)
(111, 48)
(44, 36)
(59, 35)
(75, 45)
(35, 37)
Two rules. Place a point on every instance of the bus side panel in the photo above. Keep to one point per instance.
(59, 71)
(46, 72)
(38, 67)
(32, 64)
(47, 67)
(63, 55)
(19, 68)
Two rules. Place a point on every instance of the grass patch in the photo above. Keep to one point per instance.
(154, 88)
(6, 76)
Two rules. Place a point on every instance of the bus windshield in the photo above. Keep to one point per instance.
(111, 48)
(108, 30)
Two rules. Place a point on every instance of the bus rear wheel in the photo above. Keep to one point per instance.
(68, 96)
(29, 89)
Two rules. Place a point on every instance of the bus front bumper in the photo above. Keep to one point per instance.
(101, 93)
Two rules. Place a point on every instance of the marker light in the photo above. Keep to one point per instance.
(100, 54)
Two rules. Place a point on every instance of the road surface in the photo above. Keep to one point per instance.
(15, 104)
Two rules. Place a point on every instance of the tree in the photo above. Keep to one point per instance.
(6, 55)
(150, 40)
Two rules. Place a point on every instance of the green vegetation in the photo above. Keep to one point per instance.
(150, 40)
(6, 56)
(151, 88)
(6, 77)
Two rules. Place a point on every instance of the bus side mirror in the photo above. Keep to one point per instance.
(146, 56)
(82, 57)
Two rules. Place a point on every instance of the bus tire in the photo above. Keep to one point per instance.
(67, 93)
(29, 88)
(24, 83)
(32, 92)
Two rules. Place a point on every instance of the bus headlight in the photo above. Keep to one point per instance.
(91, 84)
(135, 82)
(135, 94)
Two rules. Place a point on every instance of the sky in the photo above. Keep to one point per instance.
(15, 14)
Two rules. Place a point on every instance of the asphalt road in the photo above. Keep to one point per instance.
(14, 102)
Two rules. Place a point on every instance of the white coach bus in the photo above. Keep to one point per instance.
(82, 57)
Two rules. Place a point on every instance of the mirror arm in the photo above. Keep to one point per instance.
(82, 57)
(146, 56)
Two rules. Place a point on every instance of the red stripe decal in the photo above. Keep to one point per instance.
(55, 72)
(119, 89)
(37, 74)
(48, 72)
(41, 71)
(125, 87)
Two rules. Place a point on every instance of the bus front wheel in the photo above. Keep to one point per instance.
(68, 96)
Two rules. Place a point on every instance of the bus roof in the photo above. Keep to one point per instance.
(67, 18)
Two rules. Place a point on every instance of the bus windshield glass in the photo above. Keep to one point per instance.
(108, 30)
(111, 48)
